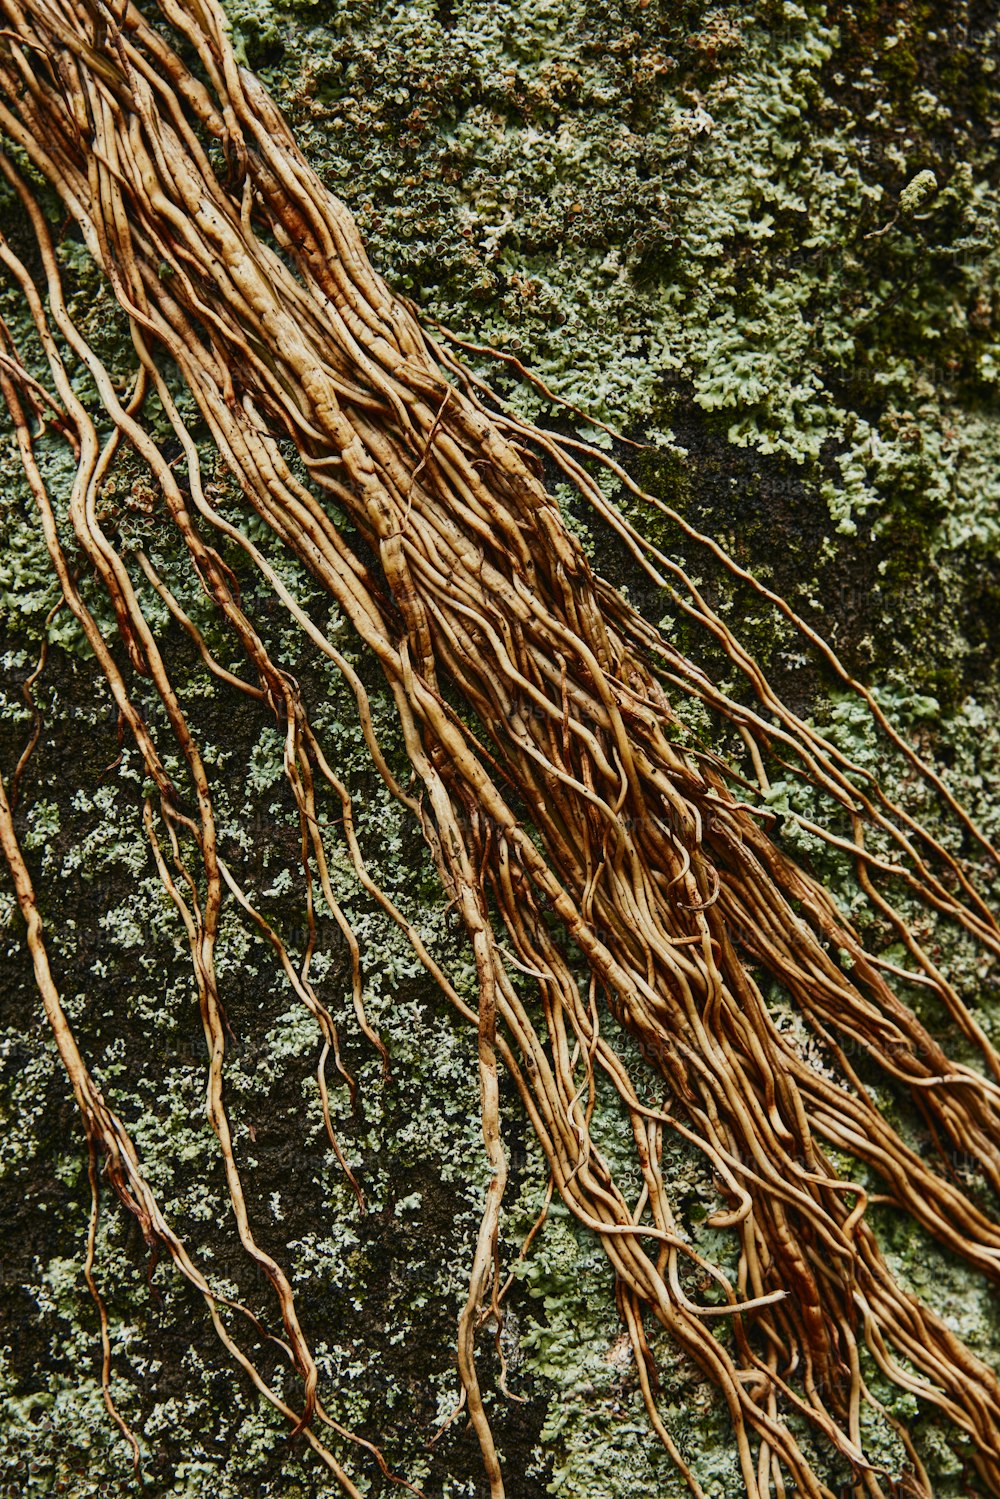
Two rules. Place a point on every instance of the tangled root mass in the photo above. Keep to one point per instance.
(573, 825)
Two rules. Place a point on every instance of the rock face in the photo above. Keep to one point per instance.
(763, 239)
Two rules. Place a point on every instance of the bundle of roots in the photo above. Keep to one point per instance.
(521, 681)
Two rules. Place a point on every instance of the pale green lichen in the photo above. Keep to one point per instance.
(718, 230)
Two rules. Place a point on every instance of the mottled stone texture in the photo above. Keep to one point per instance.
(762, 237)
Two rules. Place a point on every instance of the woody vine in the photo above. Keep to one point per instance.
(574, 824)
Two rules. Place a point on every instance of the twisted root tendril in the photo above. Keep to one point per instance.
(459, 575)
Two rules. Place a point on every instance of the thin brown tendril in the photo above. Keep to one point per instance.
(523, 686)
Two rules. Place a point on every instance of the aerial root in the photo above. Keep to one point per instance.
(643, 869)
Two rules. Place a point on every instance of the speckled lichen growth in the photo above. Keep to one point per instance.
(762, 238)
